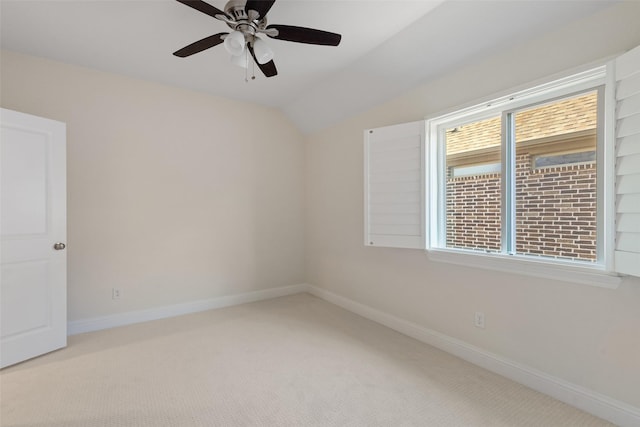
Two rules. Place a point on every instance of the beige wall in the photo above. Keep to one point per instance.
(585, 335)
(173, 196)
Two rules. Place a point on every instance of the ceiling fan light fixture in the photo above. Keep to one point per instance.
(262, 51)
(234, 43)
(241, 60)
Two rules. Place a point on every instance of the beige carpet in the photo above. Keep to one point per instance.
(292, 361)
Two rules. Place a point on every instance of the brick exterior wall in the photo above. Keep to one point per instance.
(473, 212)
(555, 211)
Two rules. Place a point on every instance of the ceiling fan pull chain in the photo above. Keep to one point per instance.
(253, 71)
(246, 63)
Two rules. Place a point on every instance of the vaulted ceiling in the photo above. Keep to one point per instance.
(387, 46)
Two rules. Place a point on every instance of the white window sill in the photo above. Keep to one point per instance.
(584, 274)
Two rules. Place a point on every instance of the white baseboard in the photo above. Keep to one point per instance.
(602, 406)
(128, 318)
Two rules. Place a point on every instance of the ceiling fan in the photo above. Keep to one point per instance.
(247, 19)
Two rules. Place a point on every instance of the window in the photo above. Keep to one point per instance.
(544, 181)
(549, 161)
(547, 207)
(519, 176)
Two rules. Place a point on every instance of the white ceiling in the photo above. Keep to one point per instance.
(387, 46)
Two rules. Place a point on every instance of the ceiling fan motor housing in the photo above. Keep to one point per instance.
(235, 9)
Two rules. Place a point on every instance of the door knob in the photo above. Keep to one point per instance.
(59, 246)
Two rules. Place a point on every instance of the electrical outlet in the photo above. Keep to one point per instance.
(479, 319)
(115, 293)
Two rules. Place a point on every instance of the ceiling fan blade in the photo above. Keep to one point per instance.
(202, 7)
(305, 35)
(268, 69)
(200, 45)
(260, 6)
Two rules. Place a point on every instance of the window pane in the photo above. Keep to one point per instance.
(556, 179)
(473, 185)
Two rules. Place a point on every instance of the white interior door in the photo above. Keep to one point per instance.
(33, 262)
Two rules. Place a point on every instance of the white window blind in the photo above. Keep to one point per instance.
(627, 251)
(394, 186)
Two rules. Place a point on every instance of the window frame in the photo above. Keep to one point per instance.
(599, 273)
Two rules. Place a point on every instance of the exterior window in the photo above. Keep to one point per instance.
(550, 161)
(520, 176)
(475, 170)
